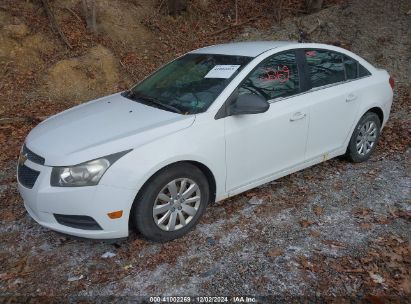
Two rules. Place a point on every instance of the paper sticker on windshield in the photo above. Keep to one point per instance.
(222, 71)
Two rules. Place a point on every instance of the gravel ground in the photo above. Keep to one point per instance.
(281, 239)
(333, 230)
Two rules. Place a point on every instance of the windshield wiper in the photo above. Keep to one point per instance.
(147, 99)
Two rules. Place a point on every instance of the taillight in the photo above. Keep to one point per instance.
(392, 83)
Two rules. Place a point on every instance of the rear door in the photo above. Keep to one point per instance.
(333, 99)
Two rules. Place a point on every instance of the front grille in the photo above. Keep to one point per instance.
(33, 156)
(78, 221)
(27, 176)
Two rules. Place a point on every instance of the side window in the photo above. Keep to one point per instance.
(275, 77)
(324, 67)
(351, 68)
(362, 72)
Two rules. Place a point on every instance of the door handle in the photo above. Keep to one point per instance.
(351, 97)
(297, 116)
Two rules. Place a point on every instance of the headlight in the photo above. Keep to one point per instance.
(85, 174)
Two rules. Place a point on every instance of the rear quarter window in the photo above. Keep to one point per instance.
(353, 69)
(363, 72)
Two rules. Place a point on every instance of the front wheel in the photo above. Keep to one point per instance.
(171, 203)
(364, 138)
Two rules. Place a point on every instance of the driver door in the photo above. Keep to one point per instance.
(262, 145)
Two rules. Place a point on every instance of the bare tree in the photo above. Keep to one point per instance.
(236, 11)
(89, 11)
(314, 5)
(54, 24)
(175, 7)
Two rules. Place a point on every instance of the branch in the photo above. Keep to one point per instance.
(27, 119)
(234, 26)
(74, 13)
(54, 24)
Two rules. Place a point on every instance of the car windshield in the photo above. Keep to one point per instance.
(189, 84)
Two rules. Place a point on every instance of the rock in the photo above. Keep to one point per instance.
(16, 30)
(255, 201)
(75, 278)
(108, 255)
(376, 278)
(211, 241)
(210, 272)
(83, 78)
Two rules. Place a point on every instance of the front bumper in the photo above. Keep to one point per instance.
(43, 201)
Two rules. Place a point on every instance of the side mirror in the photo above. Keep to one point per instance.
(248, 104)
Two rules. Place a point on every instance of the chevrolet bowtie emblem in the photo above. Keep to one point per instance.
(22, 159)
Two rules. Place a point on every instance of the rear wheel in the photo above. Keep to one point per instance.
(364, 138)
(171, 203)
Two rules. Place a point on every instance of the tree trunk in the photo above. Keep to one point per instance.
(175, 7)
(53, 22)
(89, 11)
(236, 11)
(314, 5)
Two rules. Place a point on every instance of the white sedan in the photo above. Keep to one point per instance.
(211, 124)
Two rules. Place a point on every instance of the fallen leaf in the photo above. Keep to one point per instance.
(365, 226)
(361, 212)
(375, 300)
(334, 243)
(303, 261)
(314, 233)
(242, 269)
(382, 220)
(275, 252)
(355, 270)
(305, 223)
(6, 276)
(318, 210)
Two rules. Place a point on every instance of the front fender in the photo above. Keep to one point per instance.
(203, 142)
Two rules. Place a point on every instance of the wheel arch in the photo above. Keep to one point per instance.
(373, 109)
(378, 111)
(204, 169)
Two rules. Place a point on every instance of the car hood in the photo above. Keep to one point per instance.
(101, 127)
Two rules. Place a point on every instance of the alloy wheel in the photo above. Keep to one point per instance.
(176, 204)
(366, 138)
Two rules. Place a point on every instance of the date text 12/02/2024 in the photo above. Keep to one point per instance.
(201, 299)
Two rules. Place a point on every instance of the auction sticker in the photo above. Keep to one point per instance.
(222, 71)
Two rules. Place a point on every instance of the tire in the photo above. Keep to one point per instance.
(354, 152)
(153, 226)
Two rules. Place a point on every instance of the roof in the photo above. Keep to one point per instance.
(246, 48)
